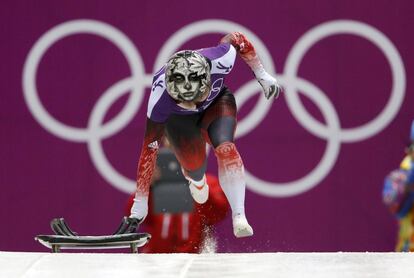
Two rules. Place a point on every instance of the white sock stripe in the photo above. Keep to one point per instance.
(166, 220)
(185, 225)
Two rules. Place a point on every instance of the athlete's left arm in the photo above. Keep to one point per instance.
(248, 53)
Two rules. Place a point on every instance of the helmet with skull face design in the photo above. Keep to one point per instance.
(187, 75)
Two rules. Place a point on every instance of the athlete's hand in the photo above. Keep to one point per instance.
(271, 87)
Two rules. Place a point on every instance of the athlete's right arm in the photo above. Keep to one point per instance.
(247, 52)
(146, 165)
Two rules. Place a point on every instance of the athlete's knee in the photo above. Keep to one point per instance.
(229, 160)
(227, 150)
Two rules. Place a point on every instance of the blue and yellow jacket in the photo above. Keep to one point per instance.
(406, 223)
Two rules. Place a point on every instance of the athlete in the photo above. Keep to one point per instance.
(191, 106)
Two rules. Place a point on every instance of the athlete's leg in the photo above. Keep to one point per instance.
(220, 122)
(189, 146)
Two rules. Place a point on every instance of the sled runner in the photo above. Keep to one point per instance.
(65, 238)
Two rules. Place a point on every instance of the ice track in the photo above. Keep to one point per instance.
(253, 265)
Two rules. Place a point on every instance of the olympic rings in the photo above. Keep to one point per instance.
(359, 29)
(59, 32)
(332, 132)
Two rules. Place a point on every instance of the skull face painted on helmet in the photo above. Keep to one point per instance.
(187, 75)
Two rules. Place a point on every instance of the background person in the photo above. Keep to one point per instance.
(177, 223)
(398, 195)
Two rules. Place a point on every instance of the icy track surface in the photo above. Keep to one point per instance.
(253, 265)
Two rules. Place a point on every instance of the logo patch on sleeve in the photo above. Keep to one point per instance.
(153, 145)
